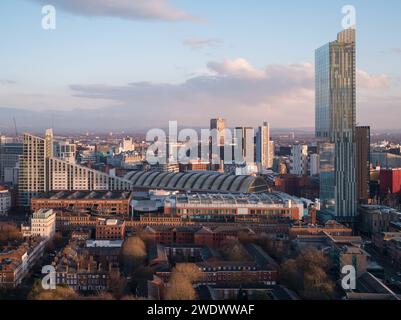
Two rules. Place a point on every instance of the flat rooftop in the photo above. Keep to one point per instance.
(236, 199)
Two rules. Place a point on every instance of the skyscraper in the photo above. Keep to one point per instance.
(335, 124)
(264, 147)
(219, 125)
(245, 144)
(217, 142)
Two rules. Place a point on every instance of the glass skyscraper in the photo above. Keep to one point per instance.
(335, 125)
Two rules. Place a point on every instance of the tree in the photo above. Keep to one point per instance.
(133, 253)
(317, 285)
(291, 275)
(181, 282)
(233, 250)
(307, 274)
(60, 293)
(9, 232)
(117, 285)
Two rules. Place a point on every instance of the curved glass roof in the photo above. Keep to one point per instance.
(197, 181)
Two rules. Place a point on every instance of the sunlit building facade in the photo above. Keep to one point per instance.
(335, 124)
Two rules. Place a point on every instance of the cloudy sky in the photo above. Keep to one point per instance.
(136, 64)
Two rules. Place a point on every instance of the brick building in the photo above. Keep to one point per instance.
(100, 202)
(110, 229)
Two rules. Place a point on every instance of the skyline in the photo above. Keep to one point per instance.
(210, 64)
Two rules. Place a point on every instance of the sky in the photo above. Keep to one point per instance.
(127, 65)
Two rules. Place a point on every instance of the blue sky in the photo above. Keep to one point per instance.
(179, 48)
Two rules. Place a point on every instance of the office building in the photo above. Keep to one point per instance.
(335, 125)
(314, 164)
(244, 145)
(264, 147)
(219, 125)
(299, 160)
(10, 153)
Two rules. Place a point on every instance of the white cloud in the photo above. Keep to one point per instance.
(234, 89)
(368, 81)
(281, 94)
(125, 9)
(236, 68)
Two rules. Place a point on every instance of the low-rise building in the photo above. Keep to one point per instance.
(333, 228)
(99, 202)
(43, 223)
(276, 207)
(259, 268)
(87, 268)
(17, 261)
(110, 229)
(375, 219)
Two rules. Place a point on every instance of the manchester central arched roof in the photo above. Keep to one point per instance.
(197, 181)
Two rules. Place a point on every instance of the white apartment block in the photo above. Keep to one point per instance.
(299, 159)
(41, 171)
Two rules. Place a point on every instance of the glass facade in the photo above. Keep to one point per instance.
(335, 124)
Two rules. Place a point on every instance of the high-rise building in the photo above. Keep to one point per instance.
(10, 153)
(33, 169)
(218, 139)
(41, 172)
(264, 147)
(218, 136)
(299, 160)
(314, 164)
(363, 162)
(244, 145)
(335, 124)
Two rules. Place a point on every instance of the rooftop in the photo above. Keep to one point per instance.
(86, 195)
(272, 198)
(204, 181)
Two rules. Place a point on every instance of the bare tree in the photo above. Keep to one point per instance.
(180, 286)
